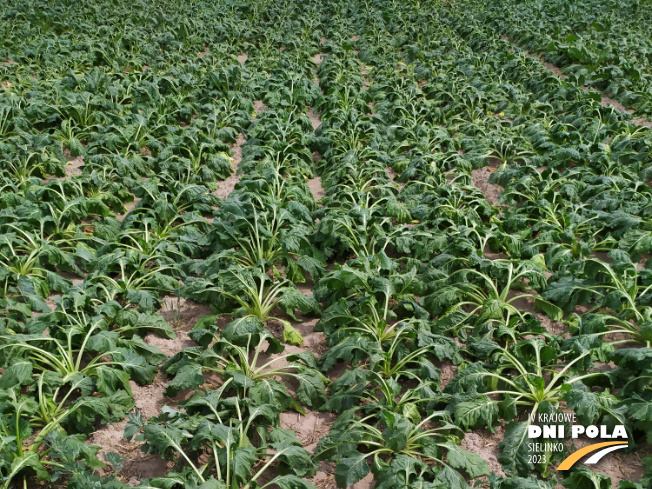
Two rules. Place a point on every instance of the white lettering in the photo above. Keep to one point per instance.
(592, 431)
(550, 431)
(533, 431)
(620, 432)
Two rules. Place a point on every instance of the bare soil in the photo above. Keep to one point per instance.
(491, 191)
(314, 118)
(641, 122)
(182, 314)
(50, 300)
(605, 100)
(618, 465)
(313, 426)
(325, 477)
(314, 184)
(490, 255)
(149, 399)
(448, 371)
(526, 304)
(226, 187)
(310, 428)
(74, 167)
(486, 444)
(616, 105)
(367, 482)
(554, 69)
(392, 177)
(139, 465)
(128, 208)
(259, 107)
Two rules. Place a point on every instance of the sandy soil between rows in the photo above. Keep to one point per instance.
(225, 187)
(491, 191)
(605, 101)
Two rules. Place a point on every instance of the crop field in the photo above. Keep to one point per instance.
(325, 244)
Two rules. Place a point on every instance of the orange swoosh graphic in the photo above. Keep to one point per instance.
(574, 457)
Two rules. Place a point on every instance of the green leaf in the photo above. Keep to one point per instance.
(514, 453)
(350, 470)
(163, 439)
(291, 335)
(240, 330)
(583, 478)
(75, 147)
(450, 479)
(76, 448)
(553, 312)
(476, 413)
(110, 380)
(294, 299)
(585, 403)
(491, 309)
(28, 461)
(471, 463)
(295, 459)
(640, 410)
(411, 412)
(522, 483)
(19, 373)
(270, 391)
(188, 377)
(397, 430)
(242, 462)
(139, 370)
(212, 484)
(311, 390)
(28, 291)
(290, 481)
(151, 353)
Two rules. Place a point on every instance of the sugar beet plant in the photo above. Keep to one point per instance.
(400, 219)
